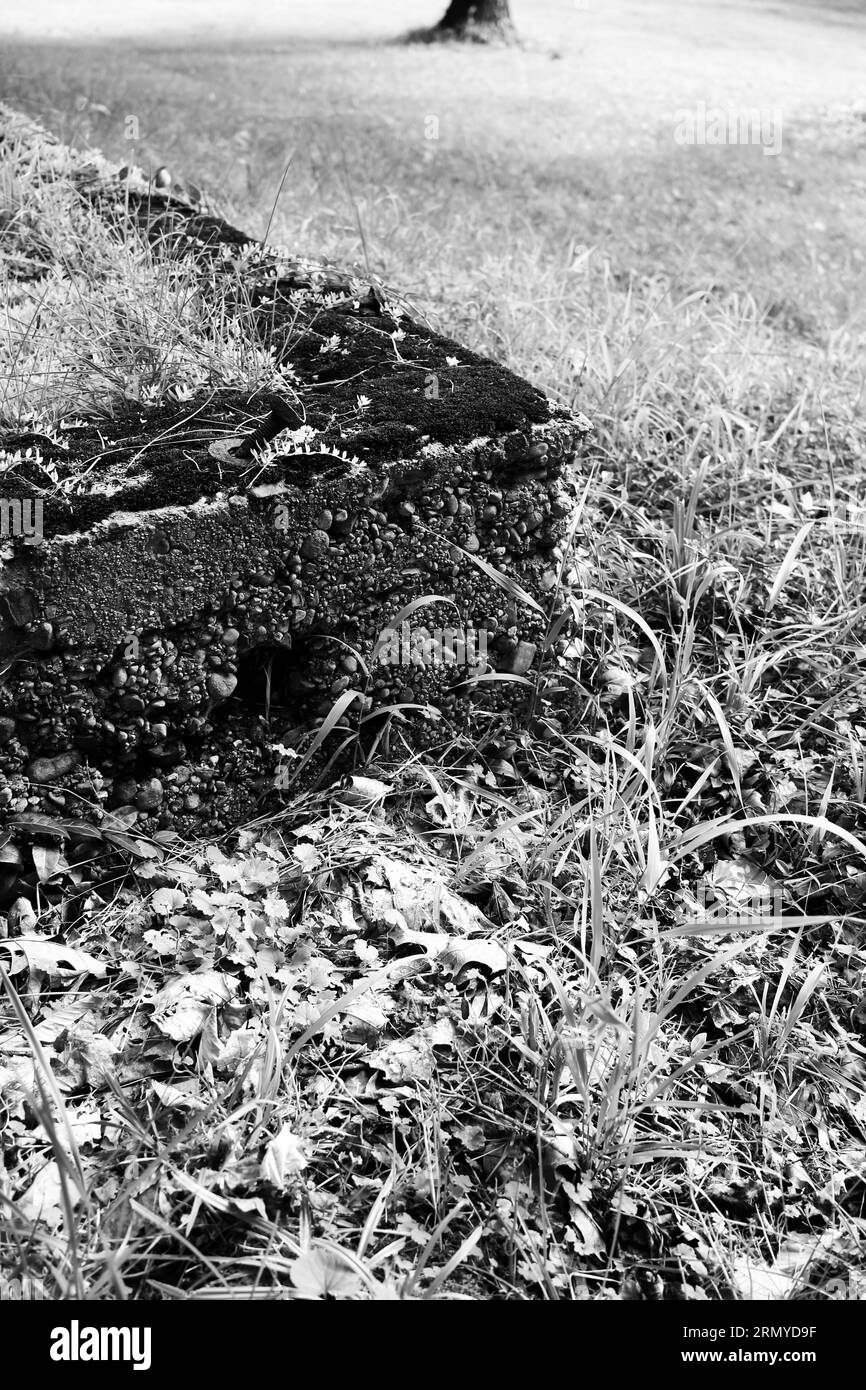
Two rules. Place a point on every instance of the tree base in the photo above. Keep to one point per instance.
(473, 31)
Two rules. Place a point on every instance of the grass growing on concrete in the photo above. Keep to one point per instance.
(95, 318)
(639, 1071)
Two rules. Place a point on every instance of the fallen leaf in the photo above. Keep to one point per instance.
(50, 957)
(364, 791)
(416, 895)
(47, 861)
(181, 1006)
(43, 1200)
(453, 953)
(162, 943)
(284, 1158)
(176, 1099)
(404, 1059)
(323, 1274)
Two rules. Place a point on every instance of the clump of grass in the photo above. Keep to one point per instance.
(96, 315)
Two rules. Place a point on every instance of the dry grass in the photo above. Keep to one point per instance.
(93, 320)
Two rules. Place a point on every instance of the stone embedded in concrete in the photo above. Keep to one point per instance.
(183, 610)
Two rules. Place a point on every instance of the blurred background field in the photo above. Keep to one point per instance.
(553, 221)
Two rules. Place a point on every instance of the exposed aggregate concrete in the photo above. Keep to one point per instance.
(185, 613)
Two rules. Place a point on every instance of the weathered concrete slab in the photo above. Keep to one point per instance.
(170, 611)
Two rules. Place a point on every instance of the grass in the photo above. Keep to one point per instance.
(94, 319)
(640, 1074)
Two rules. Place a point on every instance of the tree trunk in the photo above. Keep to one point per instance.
(477, 19)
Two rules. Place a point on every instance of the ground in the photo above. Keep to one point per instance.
(692, 1081)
